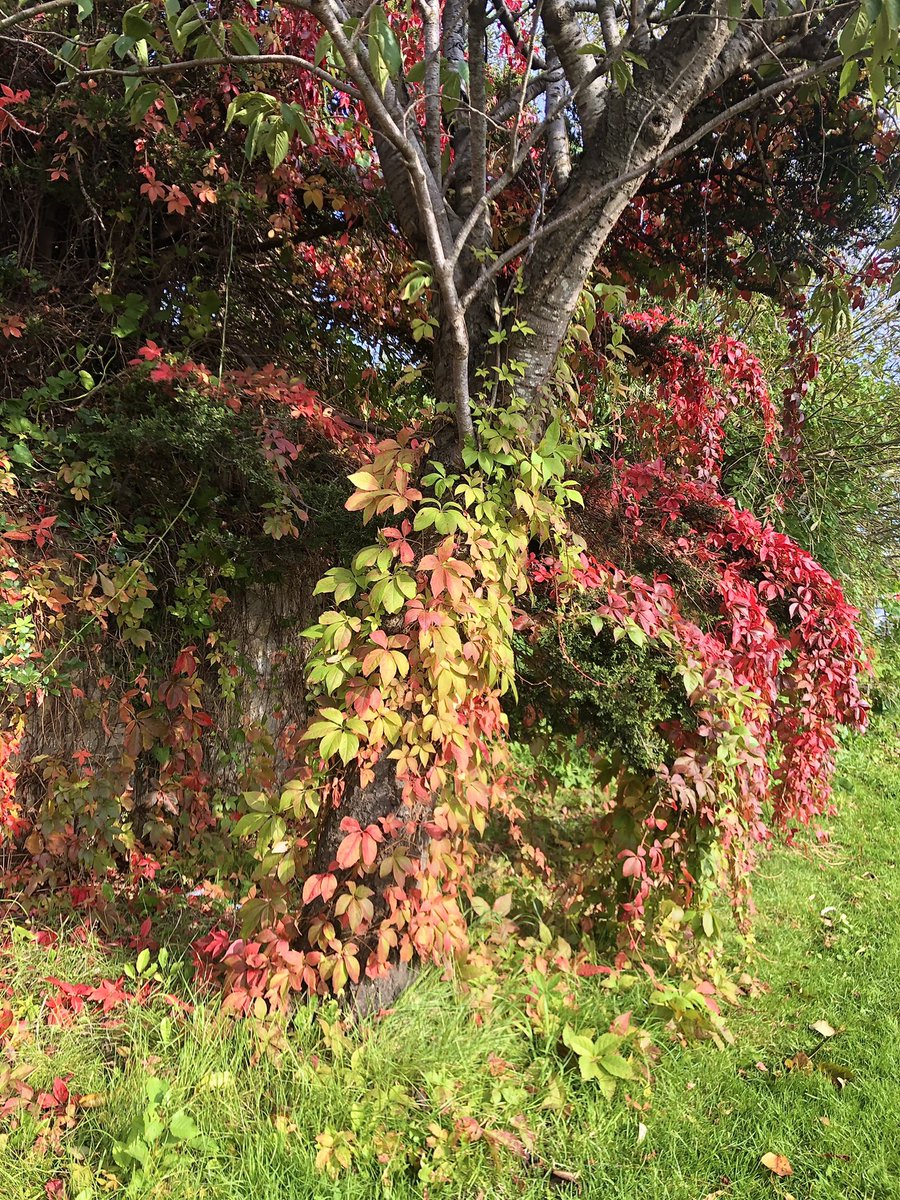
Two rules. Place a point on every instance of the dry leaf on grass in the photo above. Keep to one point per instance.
(823, 1029)
(777, 1164)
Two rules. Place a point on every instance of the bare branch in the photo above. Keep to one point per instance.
(568, 40)
(749, 102)
(432, 212)
(559, 162)
(431, 28)
(36, 10)
(478, 101)
(608, 26)
(508, 21)
(224, 60)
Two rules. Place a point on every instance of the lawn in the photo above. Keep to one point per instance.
(441, 1096)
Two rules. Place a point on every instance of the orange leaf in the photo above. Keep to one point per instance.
(777, 1164)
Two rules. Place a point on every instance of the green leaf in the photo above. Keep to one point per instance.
(320, 729)
(330, 743)
(249, 823)
(182, 26)
(451, 91)
(388, 46)
(617, 1066)
(877, 82)
(182, 1127)
(279, 148)
(99, 55)
(425, 518)
(206, 47)
(138, 1150)
(323, 49)
(242, 39)
(621, 73)
(892, 241)
(849, 76)
(377, 65)
(171, 105)
(550, 440)
(406, 584)
(142, 100)
(348, 746)
(155, 1090)
(580, 1043)
(853, 35)
(133, 23)
(122, 46)
(295, 121)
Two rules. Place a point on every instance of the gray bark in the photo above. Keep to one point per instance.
(632, 131)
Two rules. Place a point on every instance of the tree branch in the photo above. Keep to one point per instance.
(568, 40)
(224, 60)
(790, 81)
(431, 29)
(36, 10)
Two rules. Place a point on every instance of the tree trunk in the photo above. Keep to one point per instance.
(381, 798)
(631, 131)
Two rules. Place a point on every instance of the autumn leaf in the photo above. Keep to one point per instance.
(823, 1029)
(777, 1164)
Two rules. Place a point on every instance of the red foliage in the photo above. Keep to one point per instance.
(779, 658)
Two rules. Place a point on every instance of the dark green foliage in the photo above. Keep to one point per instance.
(614, 695)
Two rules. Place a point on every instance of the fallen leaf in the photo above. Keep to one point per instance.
(761, 1066)
(777, 1164)
(642, 1132)
(800, 1062)
(823, 1029)
(560, 1175)
(825, 1120)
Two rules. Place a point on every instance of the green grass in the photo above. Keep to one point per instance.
(712, 1115)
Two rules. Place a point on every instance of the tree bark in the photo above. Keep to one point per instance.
(631, 132)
